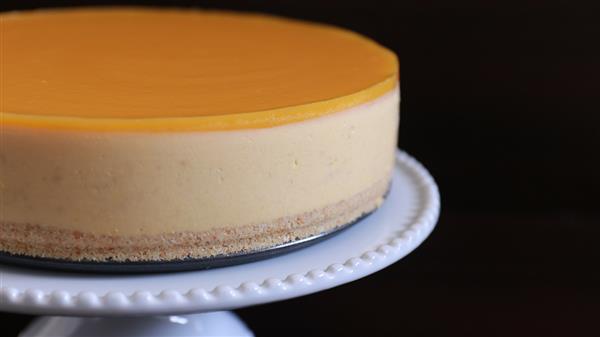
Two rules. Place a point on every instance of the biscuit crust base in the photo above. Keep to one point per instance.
(36, 240)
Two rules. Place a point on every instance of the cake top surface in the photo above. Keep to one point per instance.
(159, 69)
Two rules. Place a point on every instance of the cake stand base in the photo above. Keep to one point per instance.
(220, 323)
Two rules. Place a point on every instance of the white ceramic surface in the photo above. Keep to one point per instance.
(220, 323)
(399, 226)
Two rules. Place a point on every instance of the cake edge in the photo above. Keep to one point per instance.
(36, 241)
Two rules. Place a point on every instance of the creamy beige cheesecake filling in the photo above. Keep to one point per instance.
(49, 242)
(128, 184)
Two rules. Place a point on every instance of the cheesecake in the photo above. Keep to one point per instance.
(139, 134)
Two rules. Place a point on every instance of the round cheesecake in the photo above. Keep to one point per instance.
(132, 134)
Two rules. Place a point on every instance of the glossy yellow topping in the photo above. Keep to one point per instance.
(158, 70)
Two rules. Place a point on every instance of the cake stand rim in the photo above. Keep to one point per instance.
(223, 297)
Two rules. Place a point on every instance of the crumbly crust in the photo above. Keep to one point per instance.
(47, 242)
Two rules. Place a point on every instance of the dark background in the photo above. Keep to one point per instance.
(501, 101)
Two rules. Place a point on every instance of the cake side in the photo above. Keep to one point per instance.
(135, 183)
(72, 245)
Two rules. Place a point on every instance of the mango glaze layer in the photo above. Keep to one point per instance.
(128, 69)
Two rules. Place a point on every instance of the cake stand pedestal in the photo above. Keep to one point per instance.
(193, 303)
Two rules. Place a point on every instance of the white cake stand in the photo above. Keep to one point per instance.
(161, 304)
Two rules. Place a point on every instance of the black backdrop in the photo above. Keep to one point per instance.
(500, 100)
